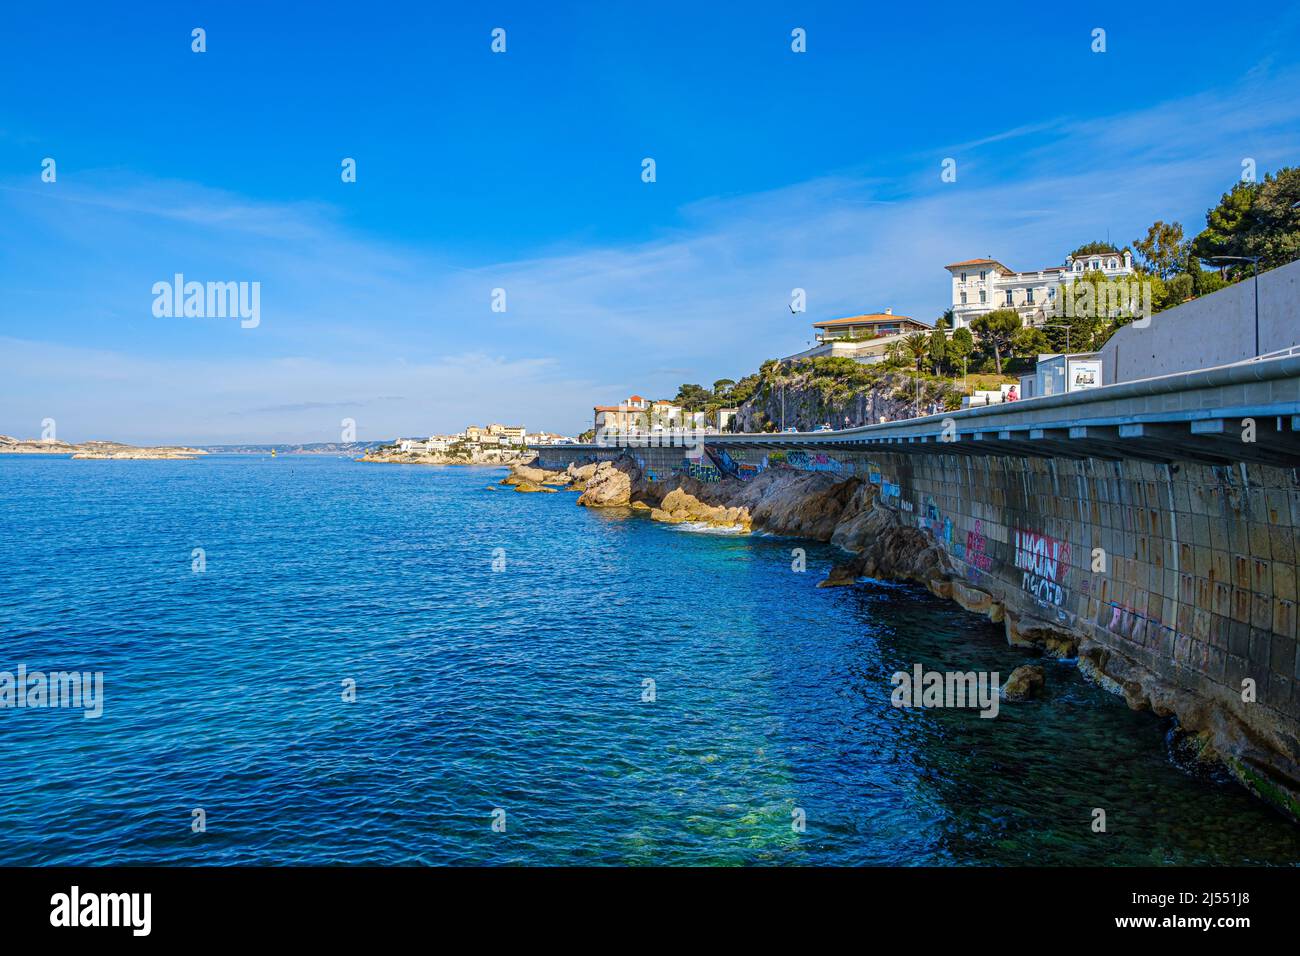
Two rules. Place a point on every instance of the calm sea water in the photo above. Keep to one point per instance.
(521, 689)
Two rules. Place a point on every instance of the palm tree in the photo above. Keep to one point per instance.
(918, 346)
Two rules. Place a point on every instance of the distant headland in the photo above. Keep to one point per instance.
(94, 449)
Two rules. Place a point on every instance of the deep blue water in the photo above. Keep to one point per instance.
(521, 689)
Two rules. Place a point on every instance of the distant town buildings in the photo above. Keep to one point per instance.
(982, 285)
(489, 436)
(638, 415)
(512, 434)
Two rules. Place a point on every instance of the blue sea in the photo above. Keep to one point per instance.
(502, 646)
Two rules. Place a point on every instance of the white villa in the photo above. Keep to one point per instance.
(982, 285)
(638, 415)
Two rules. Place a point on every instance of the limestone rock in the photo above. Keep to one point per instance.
(528, 487)
(537, 476)
(1051, 639)
(610, 484)
(680, 506)
(972, 599)
(1024, 683)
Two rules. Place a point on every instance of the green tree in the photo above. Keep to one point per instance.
(693, 398)
(1274, 232)
(722, 388)
(895, 353)
(1163, 252)
(1227, 223)
(959, 347)
(1094, 248)
(995, 330)
(917, 345)
(938, 346)
(1029, 341)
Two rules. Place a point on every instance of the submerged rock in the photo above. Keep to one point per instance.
(528, 487)
(1024, 683)
(842, 574)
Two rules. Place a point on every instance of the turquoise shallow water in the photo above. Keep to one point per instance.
(521, 689)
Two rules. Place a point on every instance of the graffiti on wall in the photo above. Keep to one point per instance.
(1043, 562)
(701, 471)
(817, 461)
(977, 554)
(733, 466)
(931, 519)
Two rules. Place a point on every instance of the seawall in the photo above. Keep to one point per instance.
(1172, 584)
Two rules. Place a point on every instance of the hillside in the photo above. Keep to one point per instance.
(831, 391)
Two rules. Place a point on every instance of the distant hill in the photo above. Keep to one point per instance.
(350, 448)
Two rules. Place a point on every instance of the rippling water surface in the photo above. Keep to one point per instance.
(522, 690)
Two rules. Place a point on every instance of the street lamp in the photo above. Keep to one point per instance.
(1254, 260)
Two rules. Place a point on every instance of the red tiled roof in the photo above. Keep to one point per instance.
(874, 318)
(978, 262)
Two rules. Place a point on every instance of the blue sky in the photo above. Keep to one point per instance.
(522, 171)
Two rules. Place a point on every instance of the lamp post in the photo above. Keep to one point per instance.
(1254, 260)
(1067, 335)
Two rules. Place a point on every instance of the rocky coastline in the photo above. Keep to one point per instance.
(97, 450)
(393, 455)
(878, 544)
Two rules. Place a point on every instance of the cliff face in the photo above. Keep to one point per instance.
(811, 399)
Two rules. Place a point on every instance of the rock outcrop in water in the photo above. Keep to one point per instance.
(1024, 683)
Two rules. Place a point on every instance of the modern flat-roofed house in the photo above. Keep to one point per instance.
(982, 285)
(863, 338)
(871, 325)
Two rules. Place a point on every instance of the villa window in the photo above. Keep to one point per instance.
(963, 277)
(1010, 301)
(1111, 264)
(963, 298)
(984, 296)
(1095, 264)
(1029, 297)
(983, 273)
